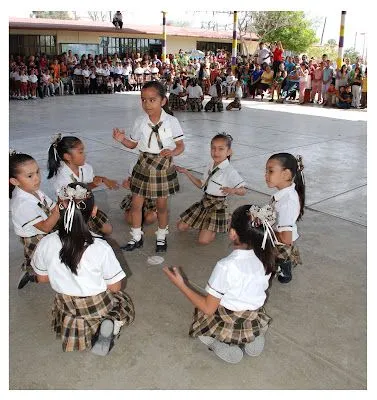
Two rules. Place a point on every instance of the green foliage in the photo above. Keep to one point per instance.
(330, 48)
(50, 14)
(290, 27)
(351, 53)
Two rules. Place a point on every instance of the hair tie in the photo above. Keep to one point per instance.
(55, 139)
(264, 216)
(13, 152)
(300, 167)
(72, 194)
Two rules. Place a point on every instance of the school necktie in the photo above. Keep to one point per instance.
(211, 173)
(155, 131)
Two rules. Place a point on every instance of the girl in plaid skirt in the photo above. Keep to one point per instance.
(90, 306)
(215, 92)
(159, 137)
(219, 180)
(34, 214)
(66, 164)
(149, 206)
(285, 173)
(195, 96)
(175, 97)
(230, 317)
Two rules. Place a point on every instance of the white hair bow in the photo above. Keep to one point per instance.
(72, 194)
(55, 139)
(265, 216)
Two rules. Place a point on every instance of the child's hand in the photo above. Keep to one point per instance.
(181, 169)
(111, 184)
(126, 183)
(119, 135)
(166, 153)
(227, 190)
(56, 209)
(174, 275)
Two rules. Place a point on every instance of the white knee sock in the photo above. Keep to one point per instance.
(136, 233)
(162, 232)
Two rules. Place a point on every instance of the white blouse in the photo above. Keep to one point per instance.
(239, 280)
(65, 176)
(26, 211)
(169, 132)
(97, 268)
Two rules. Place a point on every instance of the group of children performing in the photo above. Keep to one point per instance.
(194, 95)
(64, 240)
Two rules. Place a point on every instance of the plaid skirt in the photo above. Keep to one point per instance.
(76, 320)
(287, 253)
(154, 176)
(194, 104)
(236, 327)
(236, 103)
(176, 102)
(30, 244)
(209, 214)
(149, 204)
(78, 80)
(139, 78)
(97, 222)
(215, 101)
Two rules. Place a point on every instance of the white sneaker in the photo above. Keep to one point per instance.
(207, 340)
(255, 348)
(228, 352)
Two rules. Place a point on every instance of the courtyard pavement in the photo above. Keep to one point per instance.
(318, 335)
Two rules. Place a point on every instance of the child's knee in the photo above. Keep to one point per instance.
(206, 239)
(182, 226)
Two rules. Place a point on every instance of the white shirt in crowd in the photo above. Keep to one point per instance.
(194, 92)
(170, 132)
(65, 176)
(287, 206)
(97, 268)
(226, 176)
(23, 78)
(139, 71)
(239, 280)
(155, 70)
(77, 71)
(118, 70)
(264, 56)
(213, 91)
(239, 92)
(16, 75)
(177, 90)
(127, 70)
(26, 211)
(86, 73)
(106, 71)
(33, 78)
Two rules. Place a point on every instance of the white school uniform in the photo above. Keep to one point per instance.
(194, 92)
(85, 73)
(169, 132)
(26, 212)
(65, 176)
(226, 176)
(287, 206)
(139, 71)
(77, 71)
(33, 78)
(213, 91)
(118, 70)
(239, 280)
(239, 92)
(23, 78)
(97, 268)
(177, 90)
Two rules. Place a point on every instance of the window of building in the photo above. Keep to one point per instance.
(214, 46)
(123, 46)
(80, 48)
(29, 45)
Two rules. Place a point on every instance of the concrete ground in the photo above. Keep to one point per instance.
(317, 339)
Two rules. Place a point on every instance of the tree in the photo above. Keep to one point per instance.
(351, 53)
(51, 14)
(332, 42)
(98, 15)
(318, 51)
(290, 27)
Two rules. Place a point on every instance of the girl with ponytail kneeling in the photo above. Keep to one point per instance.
(90, 306)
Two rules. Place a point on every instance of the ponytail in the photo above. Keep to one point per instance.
(253, 236)
(58, 148)
(218, 88)
(15, 160)
(78, 238)
(295, 165)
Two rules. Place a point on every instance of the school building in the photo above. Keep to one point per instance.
(28, 36)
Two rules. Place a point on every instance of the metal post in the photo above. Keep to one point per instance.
(354, 45)
(163, 56)
(363, 44)
(341, 40)
(234, 43)
(323, 30)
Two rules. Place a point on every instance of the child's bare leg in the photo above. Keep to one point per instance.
(150, 217)
(128, 217)
(136, 210)
(162, 212)
(182, 226)
(206, 237)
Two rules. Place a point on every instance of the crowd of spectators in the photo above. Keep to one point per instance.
(264, 74)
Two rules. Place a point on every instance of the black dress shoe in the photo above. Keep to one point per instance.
(132, 245)
(25, 278)
(161, 245)
(285, 272)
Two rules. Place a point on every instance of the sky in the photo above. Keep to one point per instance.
(151, 15)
